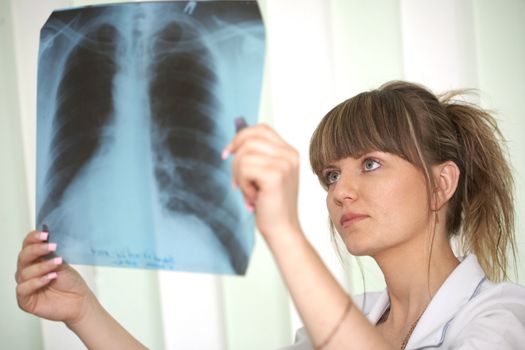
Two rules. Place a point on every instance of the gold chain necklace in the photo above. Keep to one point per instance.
(407, 337)
(412, 327)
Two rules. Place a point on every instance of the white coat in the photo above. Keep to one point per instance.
(468, 312)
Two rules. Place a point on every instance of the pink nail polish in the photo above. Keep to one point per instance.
(51, 275)
(234, 185)
(57, 260)
(52, 247)
(42, 235)
(249, 207)
(225, 154)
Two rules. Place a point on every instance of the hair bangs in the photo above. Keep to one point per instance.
(370, 121)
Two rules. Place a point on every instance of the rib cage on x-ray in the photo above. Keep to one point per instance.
(183, 103)
(82, 112)
(179, 82)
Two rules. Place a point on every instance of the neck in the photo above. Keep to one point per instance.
(413, 280)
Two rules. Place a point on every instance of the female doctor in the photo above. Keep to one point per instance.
(406, 173)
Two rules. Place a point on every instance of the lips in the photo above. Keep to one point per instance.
(351, 218)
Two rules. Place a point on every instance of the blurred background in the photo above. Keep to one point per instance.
(319, 52)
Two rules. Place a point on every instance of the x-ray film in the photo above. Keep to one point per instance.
(135, 103)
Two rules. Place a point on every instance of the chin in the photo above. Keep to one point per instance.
(359, 247)
(357, 242)
(361, 252)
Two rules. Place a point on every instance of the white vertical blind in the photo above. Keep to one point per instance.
(14, 213)
(438, 43)
(367, 52)
(500, 56)
(300, 63)
(192, 314)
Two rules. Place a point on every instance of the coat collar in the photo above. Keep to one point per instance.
(460, 286)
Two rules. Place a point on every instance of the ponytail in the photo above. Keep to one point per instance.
(481, 213)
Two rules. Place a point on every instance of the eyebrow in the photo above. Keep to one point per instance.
(329, 166)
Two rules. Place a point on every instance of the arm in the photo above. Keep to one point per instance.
(99, 330)
(320, 300)
(55, 291)
(266, 170)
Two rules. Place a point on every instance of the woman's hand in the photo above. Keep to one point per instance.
(49, 288)
(55, 291)
(266, 169)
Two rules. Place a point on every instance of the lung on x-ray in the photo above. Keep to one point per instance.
(135, 103)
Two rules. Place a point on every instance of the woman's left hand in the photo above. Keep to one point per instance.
(266, 169)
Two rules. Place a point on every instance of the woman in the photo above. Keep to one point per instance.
(404, 173)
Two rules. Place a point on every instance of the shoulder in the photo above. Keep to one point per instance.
(470, 312)
(493, 298)
(494, 318)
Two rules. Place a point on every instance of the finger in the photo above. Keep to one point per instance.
(26, 288)
(256, 174)
(249, 192)
(35, 237)
(39, 269)
(262, 147)
(240, 165)
(261, 130)
(247, 158)
(261, 154)
(33, 252)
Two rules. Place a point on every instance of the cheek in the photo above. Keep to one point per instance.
(403, 203)
(334, 212)
(330, 205)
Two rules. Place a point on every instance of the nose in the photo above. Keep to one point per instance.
(344, 190)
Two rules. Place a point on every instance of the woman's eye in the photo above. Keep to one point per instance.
(332, 176)
(370, 164)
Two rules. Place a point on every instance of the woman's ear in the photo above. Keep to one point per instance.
(446, 177)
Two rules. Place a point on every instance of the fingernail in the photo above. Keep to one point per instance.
(240, 123)
(234, 185)
(225, 154)
(57, 260)
(51, 275)
(42, 235)
(52, 247)
(249, 207)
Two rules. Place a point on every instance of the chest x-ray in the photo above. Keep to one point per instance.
(135, 103)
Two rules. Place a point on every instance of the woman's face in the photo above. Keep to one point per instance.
(376, 202)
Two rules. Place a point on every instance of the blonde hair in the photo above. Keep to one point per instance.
(411, 122)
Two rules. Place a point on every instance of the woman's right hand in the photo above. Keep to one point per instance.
(266, 169)
(49, 288)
